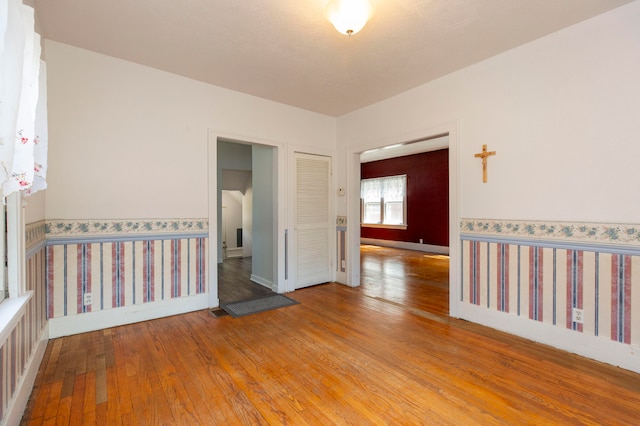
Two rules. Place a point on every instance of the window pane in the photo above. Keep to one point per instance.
(393, 213)
(386, 192)
(371, 213)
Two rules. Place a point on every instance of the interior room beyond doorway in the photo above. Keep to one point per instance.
(246, 220)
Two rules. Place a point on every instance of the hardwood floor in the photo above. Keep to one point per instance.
(234, 281)
(342, 356)
(407, 277)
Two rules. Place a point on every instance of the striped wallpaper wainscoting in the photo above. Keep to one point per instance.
(146, 263)
(546, 271)
(21, 348)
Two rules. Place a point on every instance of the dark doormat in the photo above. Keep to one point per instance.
(253, 306)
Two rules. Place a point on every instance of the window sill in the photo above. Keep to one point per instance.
(382, 226)
(11, 310)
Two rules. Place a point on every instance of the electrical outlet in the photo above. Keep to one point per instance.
(88, 299)
(577, 315)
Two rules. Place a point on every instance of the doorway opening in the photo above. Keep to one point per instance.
(412, 262)
(246, 193)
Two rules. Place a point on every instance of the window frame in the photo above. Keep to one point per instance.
(383, 205)
(12, 283)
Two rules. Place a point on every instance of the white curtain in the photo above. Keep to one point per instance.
(394, 188)
(21, 139)
(371, 190)
(41, 140)
(390, 188)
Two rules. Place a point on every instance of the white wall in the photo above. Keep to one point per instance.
(247, 222)
(562, 112)
(233, 207)
(128, 141)
(35, 209)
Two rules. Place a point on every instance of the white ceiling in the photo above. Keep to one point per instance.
(285, 50)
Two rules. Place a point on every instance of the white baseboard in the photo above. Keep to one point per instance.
(17, 406)
(263, 282)
(590, 346)
(406, 245)
(234, 252)
(91, 321)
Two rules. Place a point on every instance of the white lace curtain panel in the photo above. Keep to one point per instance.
(390, 188)
(23, 102)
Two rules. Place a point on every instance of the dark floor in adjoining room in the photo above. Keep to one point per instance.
(234, 281)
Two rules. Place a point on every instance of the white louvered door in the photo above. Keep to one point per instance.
(312, 232)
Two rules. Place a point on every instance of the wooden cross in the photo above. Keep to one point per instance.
(484, 154)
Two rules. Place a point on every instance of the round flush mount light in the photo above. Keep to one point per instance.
(349, 16)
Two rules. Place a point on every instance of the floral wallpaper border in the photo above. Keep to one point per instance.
(74, 228)
(34, 233)
(627, 234)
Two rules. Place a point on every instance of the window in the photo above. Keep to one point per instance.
(384, 201)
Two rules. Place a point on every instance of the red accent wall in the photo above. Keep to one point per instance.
(427, 197)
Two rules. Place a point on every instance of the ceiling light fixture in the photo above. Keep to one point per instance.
(349, 16)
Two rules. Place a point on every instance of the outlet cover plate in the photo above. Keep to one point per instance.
(577, 315)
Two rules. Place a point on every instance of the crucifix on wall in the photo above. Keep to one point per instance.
(484, 154)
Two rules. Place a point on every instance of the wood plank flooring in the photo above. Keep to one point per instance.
(407, 277)
(342, 356)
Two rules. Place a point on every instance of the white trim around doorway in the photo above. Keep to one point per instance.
(280, 283)
(353, 204)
